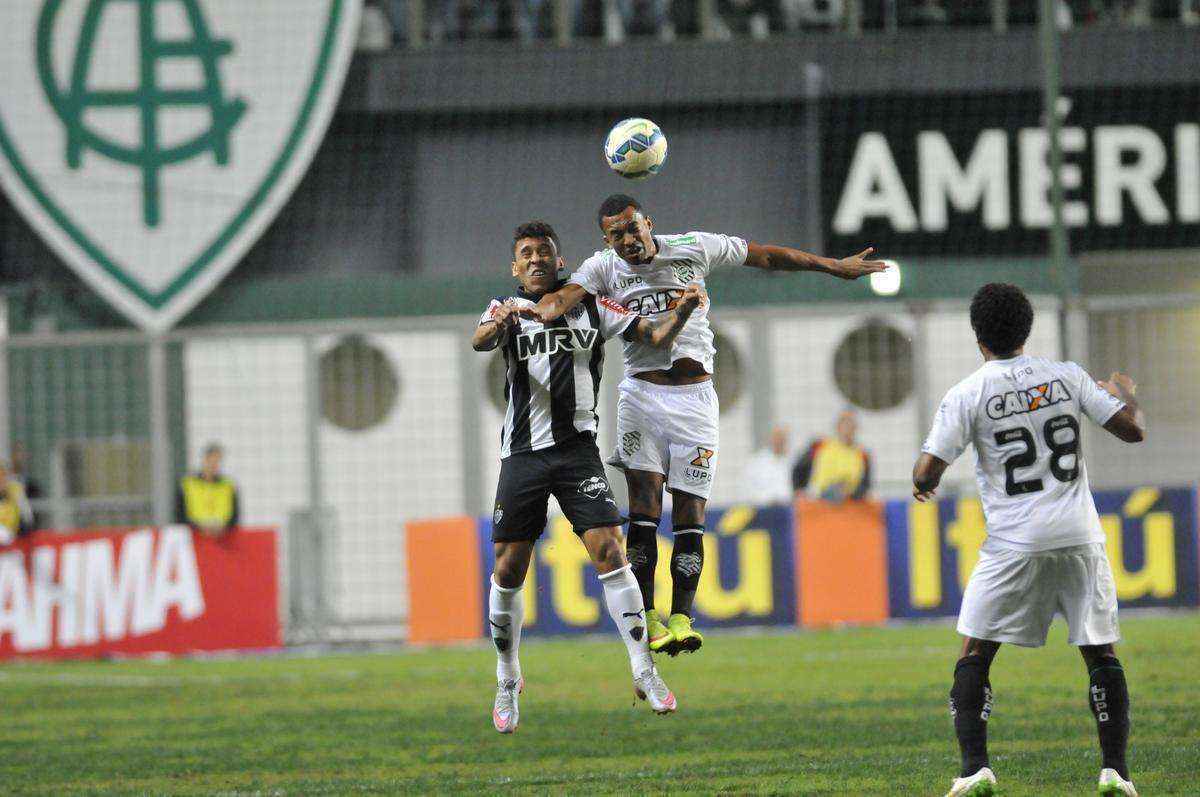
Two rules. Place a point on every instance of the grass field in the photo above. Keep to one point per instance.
(840, 712)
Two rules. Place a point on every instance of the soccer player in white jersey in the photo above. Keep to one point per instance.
(1044, 551)
(667, 408)
(549, 447)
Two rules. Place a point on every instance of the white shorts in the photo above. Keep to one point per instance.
(1013, 596)
(669, 429)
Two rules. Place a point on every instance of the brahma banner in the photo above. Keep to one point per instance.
(139, 591)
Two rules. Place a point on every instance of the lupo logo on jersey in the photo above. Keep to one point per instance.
(152, 189)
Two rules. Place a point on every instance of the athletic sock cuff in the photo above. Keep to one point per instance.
(643, 520)
(1108, 663)
(688, 528)
(616, 573)
(505, 590)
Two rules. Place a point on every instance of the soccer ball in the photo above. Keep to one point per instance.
(635, 149)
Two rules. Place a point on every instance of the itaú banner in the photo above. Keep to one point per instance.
(138, 591)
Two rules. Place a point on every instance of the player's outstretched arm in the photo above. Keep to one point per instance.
(927, 475)
(782, 258)
(554, 305)
(493, 332)
(1130, 423)
(663, 334)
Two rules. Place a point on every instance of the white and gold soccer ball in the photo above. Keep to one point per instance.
(635, 149)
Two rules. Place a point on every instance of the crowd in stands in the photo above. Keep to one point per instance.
(386, 22)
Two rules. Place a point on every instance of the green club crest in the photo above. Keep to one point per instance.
(163, 136)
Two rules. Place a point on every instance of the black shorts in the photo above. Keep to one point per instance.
(572, 471)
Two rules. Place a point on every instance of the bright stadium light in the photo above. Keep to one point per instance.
(887, 283)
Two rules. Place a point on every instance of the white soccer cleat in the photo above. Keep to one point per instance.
(650, 686)
(981, 784)
(505, 714)
(1112, 783)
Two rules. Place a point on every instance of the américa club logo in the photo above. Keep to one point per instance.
(150, 142)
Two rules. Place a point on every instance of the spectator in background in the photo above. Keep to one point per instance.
(33, 489)
(768, 475)
(835, 468)
(16, 518)
(208, 500)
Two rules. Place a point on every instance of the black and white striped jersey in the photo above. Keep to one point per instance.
(553, 377)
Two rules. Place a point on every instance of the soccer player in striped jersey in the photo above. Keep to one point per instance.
(667, 408)
(1044, 552)
(549, 446)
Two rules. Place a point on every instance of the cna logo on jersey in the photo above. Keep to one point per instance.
(151, 143)
(89, 592)
(1019, 402)
(552, 341)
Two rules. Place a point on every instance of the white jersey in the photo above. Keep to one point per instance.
(1023, 416)
(653, 288)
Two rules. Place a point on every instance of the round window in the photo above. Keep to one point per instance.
(359, 385)
(873, 366)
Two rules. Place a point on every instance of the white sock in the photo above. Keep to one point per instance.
(506, 612)
(624, 601)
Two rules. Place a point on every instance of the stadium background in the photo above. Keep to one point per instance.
(334, 362)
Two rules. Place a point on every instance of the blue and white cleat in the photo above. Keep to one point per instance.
(981, 784)
(1112, 783)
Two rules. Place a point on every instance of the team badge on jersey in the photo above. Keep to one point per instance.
(684, 272)
(498, 515)
(631, 442)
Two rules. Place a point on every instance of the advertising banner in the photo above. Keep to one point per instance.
(1151, 539)
(748, 577)
(139, 591)
(968, 174)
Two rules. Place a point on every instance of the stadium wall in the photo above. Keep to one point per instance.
(813, 564)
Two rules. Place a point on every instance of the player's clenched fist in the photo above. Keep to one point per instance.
(693, 296)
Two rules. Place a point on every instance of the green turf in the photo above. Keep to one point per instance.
(841, 712)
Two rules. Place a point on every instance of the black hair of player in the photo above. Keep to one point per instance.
(614, 206)
(536, 229)
(1001, 316)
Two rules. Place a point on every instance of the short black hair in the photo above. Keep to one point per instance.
(1001, 316)
(614, 206)
(536, 229)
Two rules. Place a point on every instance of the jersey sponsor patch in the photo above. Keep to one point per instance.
(593, 487)
(552, 341)
(612, 305)
(1019, 402)
(703, 455)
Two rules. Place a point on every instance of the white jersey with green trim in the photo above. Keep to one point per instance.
(653, 288)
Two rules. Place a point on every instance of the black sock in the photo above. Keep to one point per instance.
(1109, 699)
(687, 560)
(641, 549)
(971, 705)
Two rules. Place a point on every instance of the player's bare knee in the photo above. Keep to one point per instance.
(607, 549)
(510, 567)
(687, 509)
(1093, 654)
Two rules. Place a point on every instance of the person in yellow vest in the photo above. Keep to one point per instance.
(16, 517)
(208, 500)
(835, 468)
